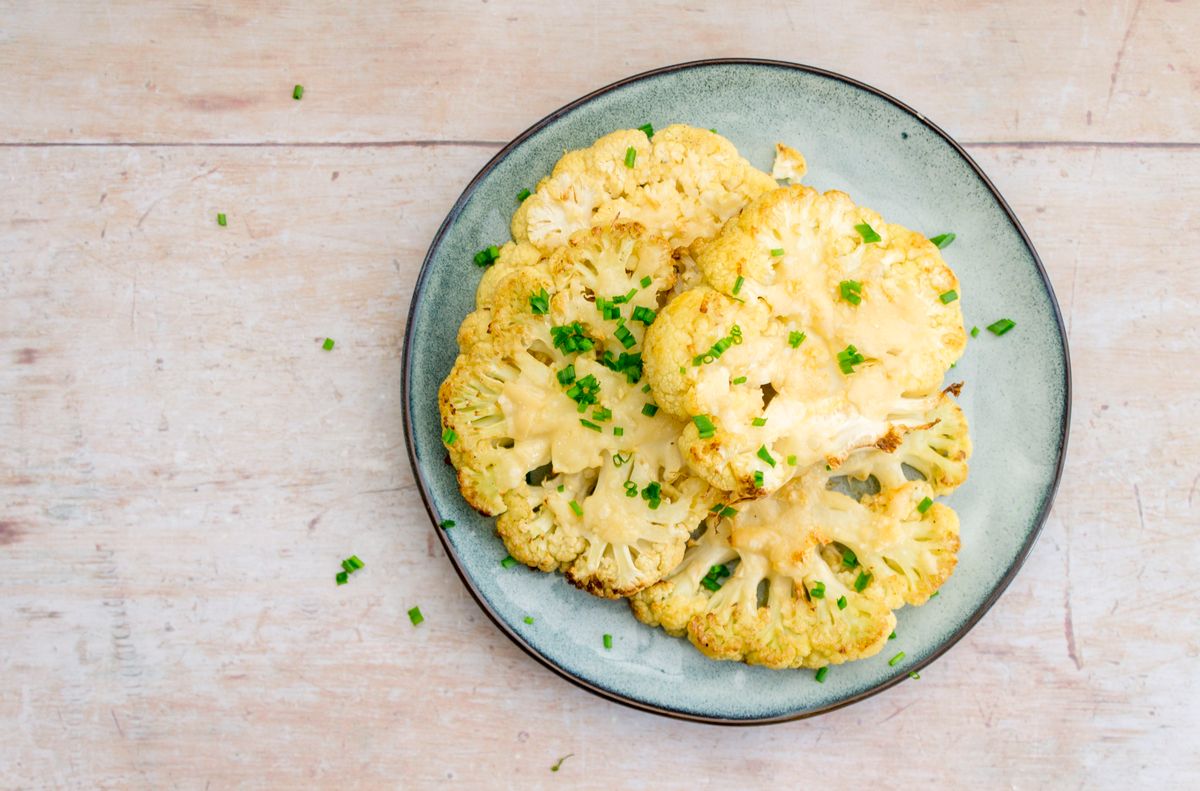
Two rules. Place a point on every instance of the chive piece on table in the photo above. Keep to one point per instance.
(328, 344)
(342, 578)
(298, 92)
(221, 219)
(415, 616)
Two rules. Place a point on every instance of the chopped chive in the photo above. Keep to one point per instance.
(646, 388)
(567, 375)
(328, 344)
(778, 251)
(943, 240)
(759, 421)
(759, 480)
(817, 591)
(915, 676)
(523, 194)
(649, 410)
(653, 494)
(728, 512)
(867, 232)
(630, 157)
(861, 582)
(741, 380)
(737, 284)
(644, 315)
(508, 562)
(571, 338)
(626, 338)
(897, 659)
(974, 332)
(892, 636)
(851, 291)
(528, 619)
(681, 370)
(487, 256)
(631, 489)
(848, 358)
(1002, 326)
(618, 431)
(796, 338)
(576, 507)
(342, 578)
(415, 616)
(446, 524)
(924, 505)
(849, 559)
(822, 672)
(602, 414)
(714, 131)
(948, 296)
(298, 92)
(705, 426)
(449, 436)
(646, 281)
(841, 603)
(648, 129)
(765, 455)
(589, 424)
(354, 562)
(791, 460)
(539, 303)
(561, 487)
(221, 219)
(608, 642)
(558, 765)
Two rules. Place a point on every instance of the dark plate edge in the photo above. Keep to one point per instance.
(946, 645)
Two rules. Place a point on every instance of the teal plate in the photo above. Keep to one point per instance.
(886, 156)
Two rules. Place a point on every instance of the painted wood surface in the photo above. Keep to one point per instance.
(182, 466)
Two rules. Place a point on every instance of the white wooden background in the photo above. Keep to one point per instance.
(182, 467)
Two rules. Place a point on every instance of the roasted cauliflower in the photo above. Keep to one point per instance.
(549, 382)
(682, 184)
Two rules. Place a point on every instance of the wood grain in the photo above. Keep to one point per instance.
(182, 467)
(164, 72)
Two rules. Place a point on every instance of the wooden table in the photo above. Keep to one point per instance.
(182, 466)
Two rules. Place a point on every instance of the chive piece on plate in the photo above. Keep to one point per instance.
(1002, 326)
(608, 642)
(867, 232)
(446, 524)
(948, 296)
(449, 436)
(523, 194)
(924, 505)
(897, 659)
(630, 157)
(821, 673)
(943, 240)
(508, 562)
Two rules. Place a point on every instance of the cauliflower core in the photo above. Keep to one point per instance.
(810, 576)
(547, 393)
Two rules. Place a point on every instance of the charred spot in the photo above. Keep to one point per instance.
(954, 389)
(889, 441)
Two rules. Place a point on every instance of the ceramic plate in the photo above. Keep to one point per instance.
(887, 157)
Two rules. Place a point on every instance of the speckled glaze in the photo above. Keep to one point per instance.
(1017, 396)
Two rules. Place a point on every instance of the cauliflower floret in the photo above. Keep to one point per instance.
(683, 184)
(806, 256)
(938, 450)
(513, 255)
(613, 531)
(789, 163)
(763, 401)
(761, 613)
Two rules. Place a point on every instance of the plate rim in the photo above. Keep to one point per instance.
(426, 498)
